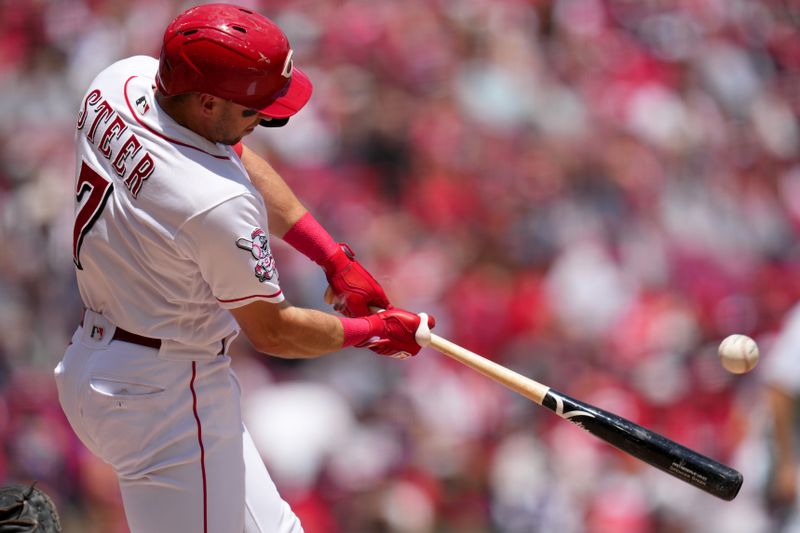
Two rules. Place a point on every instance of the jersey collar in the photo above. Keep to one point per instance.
(144, 108)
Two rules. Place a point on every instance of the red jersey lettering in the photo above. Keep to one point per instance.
(91, 193)
(115, 129)
(140, 172)
(91, 99)
(129, 148)
(104, 111)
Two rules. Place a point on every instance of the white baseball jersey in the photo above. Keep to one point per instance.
(168, 228)
(168, 233)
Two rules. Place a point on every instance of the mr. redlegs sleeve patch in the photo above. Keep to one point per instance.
(258, 246)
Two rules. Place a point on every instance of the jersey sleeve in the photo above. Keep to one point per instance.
(230, 243)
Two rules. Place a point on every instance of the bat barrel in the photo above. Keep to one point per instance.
(654, 449)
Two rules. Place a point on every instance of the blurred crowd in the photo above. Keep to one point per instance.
(591, 192)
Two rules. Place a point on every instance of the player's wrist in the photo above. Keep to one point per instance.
(358, 330)
(338, 260)
(308, 237)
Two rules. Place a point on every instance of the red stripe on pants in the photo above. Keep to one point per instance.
(202, 449)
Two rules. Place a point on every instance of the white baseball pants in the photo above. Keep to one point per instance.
(172, 430)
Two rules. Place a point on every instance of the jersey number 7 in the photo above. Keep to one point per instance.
(97, 189)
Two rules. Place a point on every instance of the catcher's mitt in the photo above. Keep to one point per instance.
(27, 510)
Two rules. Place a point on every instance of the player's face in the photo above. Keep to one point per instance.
(233, 122)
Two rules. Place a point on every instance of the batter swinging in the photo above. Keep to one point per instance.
(172, 253)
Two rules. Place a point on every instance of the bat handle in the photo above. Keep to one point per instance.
(520, 384)
(525, 386)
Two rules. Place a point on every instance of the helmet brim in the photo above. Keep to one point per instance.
(296, 95)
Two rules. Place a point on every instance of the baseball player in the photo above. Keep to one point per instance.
(172, 253)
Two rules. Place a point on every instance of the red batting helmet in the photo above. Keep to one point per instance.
(233, 53)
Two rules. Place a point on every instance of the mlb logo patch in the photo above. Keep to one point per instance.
(97, 333)
(142, 105)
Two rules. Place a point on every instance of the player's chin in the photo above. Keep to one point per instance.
(233, 140)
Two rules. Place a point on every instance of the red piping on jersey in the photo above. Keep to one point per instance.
(252, 296)
(202, 448)
(159, 134)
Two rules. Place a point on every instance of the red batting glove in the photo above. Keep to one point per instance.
(398, 333)
(354, 289)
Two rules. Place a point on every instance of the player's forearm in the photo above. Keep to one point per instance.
(300, 333)
(282, 205)
(295, 332)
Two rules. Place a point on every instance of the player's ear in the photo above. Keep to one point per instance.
(208, 103)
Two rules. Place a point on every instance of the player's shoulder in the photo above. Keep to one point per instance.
(193, 181)
(211, 181)
(125, 68)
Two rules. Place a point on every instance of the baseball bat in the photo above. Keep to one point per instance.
(678, 461)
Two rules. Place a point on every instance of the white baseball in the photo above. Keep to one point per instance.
(738, 353)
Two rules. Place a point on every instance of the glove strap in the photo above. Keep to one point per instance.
(308, 237)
